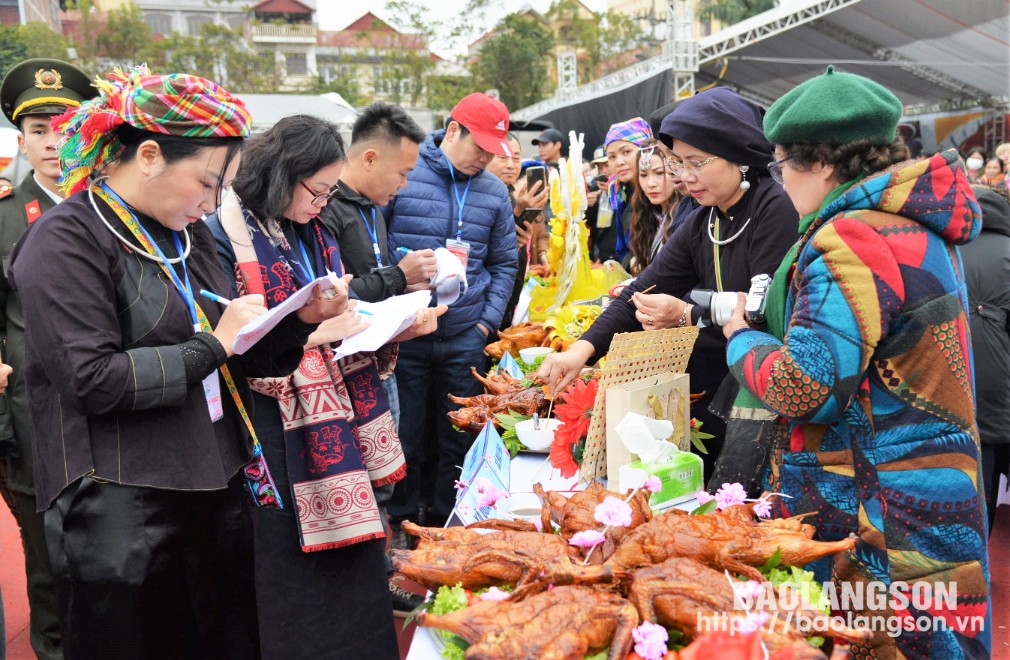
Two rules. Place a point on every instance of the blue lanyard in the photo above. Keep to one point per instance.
(182, 285)
(372, 235)
(306, 265)
(460, 201)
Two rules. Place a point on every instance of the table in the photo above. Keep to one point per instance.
(525, 470)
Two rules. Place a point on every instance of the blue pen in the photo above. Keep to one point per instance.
(213, 296)
(404, 250)
(364, 311)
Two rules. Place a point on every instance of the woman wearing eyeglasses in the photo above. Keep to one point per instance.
(743, 226)
(327, 432)
(868, 361)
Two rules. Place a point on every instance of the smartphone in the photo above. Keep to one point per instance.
(534, 174)
(528, 216)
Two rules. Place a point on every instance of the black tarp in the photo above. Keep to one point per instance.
(594, 117)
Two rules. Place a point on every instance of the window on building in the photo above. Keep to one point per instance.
(159, 23)
(296, 64)
(706, 27)
(194, 24)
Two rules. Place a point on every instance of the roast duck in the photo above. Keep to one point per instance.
(575, 514)
(519, 336)
(567, 622)
(672, 567)
(504, 393)
(682, 593)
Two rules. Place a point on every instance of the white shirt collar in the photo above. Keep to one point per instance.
(56, 198)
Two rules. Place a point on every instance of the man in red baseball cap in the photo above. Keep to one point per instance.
(487, 120)
(452, 205)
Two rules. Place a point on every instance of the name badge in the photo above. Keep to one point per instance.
(212, 392)
(460, 249)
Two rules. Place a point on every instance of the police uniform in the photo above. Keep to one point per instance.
(33, 87)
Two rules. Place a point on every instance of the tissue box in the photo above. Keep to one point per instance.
(672, 390)
(681, 478)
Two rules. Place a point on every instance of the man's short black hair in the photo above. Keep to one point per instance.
(463, 130)
(387, 123)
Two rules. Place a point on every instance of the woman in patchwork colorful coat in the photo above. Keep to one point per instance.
(867, 358)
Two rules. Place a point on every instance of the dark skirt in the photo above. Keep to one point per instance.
(147, 573)
(314, 605)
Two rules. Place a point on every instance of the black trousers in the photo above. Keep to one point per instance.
(147, 573)
(995, 461)
(44, 613)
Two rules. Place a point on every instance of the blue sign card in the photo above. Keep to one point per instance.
(509, 365)
(486, 465)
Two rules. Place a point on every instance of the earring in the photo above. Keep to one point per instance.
(744, 183)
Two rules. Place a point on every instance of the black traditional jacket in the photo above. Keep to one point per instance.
(107, 384)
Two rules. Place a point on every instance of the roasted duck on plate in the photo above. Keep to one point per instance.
(566, 623)
(683, 593)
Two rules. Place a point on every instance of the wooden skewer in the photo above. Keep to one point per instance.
(647, 290)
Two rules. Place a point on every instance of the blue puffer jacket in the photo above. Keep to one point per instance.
(424, 215)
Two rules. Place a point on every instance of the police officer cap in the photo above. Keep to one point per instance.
(43, 87)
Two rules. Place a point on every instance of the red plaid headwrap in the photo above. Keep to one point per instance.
(173, 104)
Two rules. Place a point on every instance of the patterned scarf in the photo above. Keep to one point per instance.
(339, 436)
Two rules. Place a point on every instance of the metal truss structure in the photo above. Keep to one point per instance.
(684, 55)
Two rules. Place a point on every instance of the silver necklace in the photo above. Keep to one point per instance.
(711, 226)
(130, 245)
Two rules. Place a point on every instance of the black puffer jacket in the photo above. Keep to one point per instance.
(987, 274)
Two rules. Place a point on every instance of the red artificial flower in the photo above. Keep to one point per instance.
(726, 646)
(575, 413)
(561, 456)
(577, 410)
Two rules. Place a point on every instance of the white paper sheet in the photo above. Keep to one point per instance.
(449, 282)
(256, 329)
(387, 319)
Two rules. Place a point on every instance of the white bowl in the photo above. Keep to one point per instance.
(533, 352)
(524, 506)
(537, 440)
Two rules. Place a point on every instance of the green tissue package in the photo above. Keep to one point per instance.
(680, 476)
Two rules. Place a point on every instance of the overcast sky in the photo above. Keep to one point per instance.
(337, 15)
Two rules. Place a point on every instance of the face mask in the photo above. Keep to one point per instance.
(974, 163)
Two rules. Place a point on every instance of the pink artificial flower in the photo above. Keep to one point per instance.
(749, 590)
(650, 641)
(494, 593)
(489, 497)
(589, 538)
(653, 484)
(763, 508)
(729, 495)
(460, 484)
(752, 621)
(703, 497)
(613, 512)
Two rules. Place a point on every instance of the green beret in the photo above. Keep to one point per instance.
(834, 108)
(43, 87)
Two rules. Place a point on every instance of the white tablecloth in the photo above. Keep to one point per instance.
(526, 469)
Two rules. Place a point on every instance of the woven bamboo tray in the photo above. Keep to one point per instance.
(632, 356)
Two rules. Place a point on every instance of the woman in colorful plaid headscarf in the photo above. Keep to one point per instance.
(140, 424)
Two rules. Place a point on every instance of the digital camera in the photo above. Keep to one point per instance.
(717, 306)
